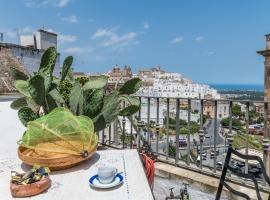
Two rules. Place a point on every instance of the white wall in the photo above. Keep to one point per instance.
(45, 40)
(30, 59)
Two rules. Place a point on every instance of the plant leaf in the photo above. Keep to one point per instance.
(26, 114)
(100, 123)
(47, 65)
(33, 105)
(56, 96)
(132, 105)
(110, 108)
(51, 103)
(131, 86)
(129, 110)
(18, 74)
(66, 67)
(18, 103)
(95, 83)
(37, 89)
(93, 103)
(76, 99)
(48, 61)
(22, 87)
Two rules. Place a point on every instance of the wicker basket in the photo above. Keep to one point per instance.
(55, 161)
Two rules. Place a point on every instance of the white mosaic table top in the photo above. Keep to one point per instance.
(71, 184)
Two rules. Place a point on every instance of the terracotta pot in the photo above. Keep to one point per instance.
(30, 189)
(56, 161)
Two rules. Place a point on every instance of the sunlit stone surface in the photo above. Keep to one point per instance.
(196, 191)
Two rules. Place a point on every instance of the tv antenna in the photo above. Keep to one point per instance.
(18, 34)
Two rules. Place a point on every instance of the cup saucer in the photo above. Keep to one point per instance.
(94, 182)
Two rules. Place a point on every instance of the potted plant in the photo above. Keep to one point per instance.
(42, 93)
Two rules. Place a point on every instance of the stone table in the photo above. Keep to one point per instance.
(71, 184)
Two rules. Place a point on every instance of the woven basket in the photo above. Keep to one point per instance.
(55, 161)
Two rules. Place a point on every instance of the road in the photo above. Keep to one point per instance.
(208, 141)
(210, 132)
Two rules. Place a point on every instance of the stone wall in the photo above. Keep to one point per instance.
(26, 59)
(8, 60)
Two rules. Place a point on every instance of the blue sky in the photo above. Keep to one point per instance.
(208, 41)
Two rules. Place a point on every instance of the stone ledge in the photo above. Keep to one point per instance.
(203, 179)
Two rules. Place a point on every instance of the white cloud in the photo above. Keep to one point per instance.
(36, 3)
(76, 50)
(70, 19)
(66, 38)
(104, 32)
(14, 33)
(146, 26)
(45, 3)
(26, 30)
(177, 40)
(110, 37)
(63, 38)
(199, 38)
(62, 3)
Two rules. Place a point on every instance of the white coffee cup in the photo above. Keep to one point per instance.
(106, 174)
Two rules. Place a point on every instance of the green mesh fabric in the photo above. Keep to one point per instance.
(60, 132)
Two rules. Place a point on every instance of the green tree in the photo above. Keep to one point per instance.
(236, 110)
(183, 131)
(235, 122)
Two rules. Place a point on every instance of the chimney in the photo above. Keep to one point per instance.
(1, 37)
(267, 37)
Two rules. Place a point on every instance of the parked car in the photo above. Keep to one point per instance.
(219, 165)
(212, 154)
(182, 142)
(204, 156)
(240, 164)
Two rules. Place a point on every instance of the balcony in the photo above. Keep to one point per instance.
(205, 128)
(201, 133)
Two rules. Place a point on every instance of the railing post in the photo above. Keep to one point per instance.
(148, 122)
(188, 141)
(177, 127)
(230, 139)
(201, 133)
(246, 134)
(157, 140)
(230, 118)
(110, 134)
(265, 145)
(157, 127)
(103, 136)
(215, 137)
(131, 131)
(167, 128)
(115, 132)
(139, 125)
(124, 132)
(265, 142)
(230, 134)
(201, 118)
(201, 136)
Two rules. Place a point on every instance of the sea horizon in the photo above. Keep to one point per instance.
(242, 87)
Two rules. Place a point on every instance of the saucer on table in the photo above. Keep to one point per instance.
(94, 182)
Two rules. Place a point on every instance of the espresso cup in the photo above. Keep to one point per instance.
(106, 174)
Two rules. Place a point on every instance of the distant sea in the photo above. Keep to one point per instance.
(242, 87)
